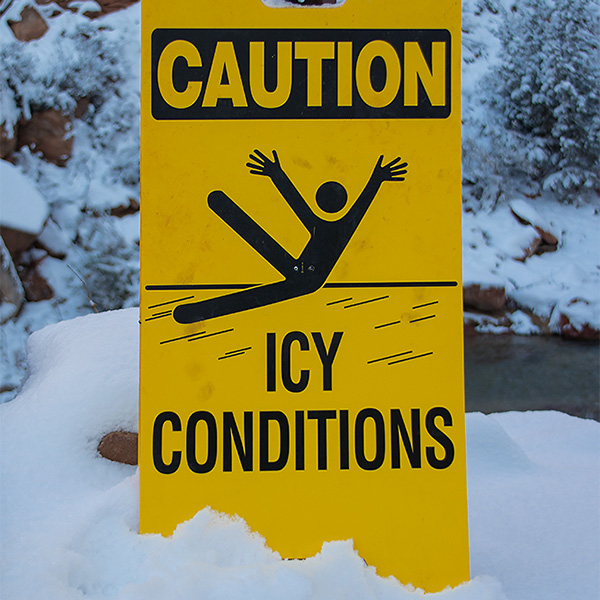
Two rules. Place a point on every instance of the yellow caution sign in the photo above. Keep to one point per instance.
(301, 330)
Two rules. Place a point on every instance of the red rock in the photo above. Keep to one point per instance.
(11, 289)
(48, 132)
(31, 26)
(17, 241)
(62, 3)
(570, 331)
(81, 108)
(120, 446)
(23, 210)
(526, 215)
(469, 327)
(130, 209)
(531, 249)
(485, 298)
(106, 6)
(549, 238)
(36, 287)
(8, 141)
(109, 6)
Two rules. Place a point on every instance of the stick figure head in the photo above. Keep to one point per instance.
(331, 197)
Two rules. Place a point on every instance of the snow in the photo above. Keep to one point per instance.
(129, 228)
(566, 281)
(23, 208)
(69, 518)
(54, 239)
(552, 549)
(528, 213)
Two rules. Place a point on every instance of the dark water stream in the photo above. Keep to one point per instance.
(512, 372)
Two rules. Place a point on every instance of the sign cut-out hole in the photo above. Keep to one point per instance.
(303, 3)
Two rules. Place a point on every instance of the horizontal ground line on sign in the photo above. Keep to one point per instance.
(200, 286)
(243, 286)
(392, 284)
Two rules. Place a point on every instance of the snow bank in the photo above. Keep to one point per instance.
(69, 518)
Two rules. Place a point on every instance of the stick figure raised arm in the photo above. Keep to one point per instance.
(262, 165)
(392, 171)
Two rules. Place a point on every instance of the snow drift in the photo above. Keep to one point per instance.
(69, 518)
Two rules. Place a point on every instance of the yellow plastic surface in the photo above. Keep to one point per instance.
(394, 292)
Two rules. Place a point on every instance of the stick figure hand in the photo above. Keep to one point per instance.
(390, 172)
(263, 165)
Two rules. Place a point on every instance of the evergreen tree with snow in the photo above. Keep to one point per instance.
(546, 89)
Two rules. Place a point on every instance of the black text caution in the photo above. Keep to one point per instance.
(300, 74)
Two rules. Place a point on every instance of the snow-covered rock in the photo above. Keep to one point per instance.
(48, 132)
(92, 8)
(12, 293)
(54, 240)
(527, 215)
(484, 297)
(31, 25)
(566, 281)
(572, 317)
(36, 286)
(23, 210)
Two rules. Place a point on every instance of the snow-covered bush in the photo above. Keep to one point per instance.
(76, 58)
(110, 267)
(545, 92)
(482, 164)
(70, 62)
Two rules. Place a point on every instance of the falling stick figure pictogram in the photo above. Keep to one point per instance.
(328, 239)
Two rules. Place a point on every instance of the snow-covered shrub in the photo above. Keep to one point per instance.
(110, 267)
(77, 58)
(545, 91)
(70, 62)
(482, 164)
(97, 60)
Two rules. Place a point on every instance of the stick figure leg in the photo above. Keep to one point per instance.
(255, 297)
(251, 232)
